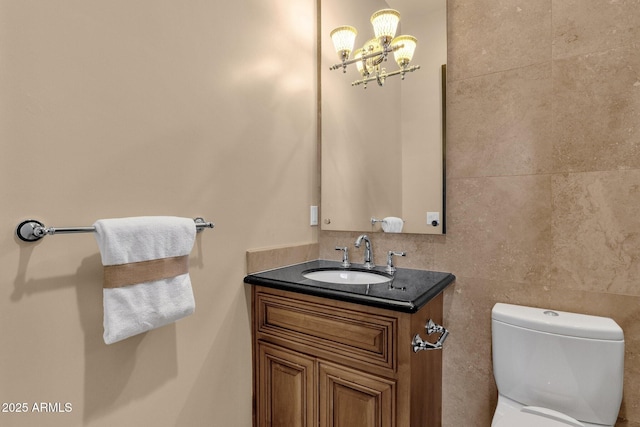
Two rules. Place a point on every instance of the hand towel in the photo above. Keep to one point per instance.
(146, 278)
(392, 224)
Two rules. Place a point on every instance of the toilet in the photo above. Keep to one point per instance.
(555, 369)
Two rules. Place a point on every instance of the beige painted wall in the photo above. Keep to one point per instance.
(121, 108)
(543, 177)
(140, 108)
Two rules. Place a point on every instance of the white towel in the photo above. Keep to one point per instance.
(392, 224)
(147, 283)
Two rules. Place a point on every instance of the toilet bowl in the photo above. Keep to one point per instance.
(555, 369)
(533, 416)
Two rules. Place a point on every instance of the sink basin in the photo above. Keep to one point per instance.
(347, 277)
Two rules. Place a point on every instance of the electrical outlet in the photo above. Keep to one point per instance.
(313, 215)
(433, 218)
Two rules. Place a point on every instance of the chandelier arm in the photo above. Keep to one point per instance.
(386, 50)
(385, 75)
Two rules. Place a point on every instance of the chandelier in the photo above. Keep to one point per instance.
(368, 59)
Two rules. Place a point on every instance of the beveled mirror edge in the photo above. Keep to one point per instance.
(444, 148)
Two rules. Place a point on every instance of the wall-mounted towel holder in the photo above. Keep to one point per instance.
(374, 220)
(32, 230)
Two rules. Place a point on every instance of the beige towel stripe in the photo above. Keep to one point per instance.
(116, 276)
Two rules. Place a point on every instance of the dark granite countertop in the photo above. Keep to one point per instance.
(408, 289)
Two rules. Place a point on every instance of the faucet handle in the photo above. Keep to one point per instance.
(390, 267)
(345, 256)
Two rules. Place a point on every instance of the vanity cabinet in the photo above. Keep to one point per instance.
(286, 382)
(330, 363)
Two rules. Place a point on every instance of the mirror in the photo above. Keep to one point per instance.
(383, 147)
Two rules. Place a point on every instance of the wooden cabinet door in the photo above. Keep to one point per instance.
(286, 388)
(350, 398)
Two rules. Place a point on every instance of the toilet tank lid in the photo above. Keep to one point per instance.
(558, 322)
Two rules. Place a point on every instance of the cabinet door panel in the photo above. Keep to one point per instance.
(286, 391)
(350, 398)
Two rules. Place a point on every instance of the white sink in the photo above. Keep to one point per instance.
(346, 277)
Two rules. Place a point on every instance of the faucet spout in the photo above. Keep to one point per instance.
(368, 250)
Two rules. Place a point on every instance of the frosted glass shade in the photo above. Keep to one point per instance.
(404, 55)
(343, 39)
(385, 23)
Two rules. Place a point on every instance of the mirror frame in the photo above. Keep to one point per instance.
(444, 148)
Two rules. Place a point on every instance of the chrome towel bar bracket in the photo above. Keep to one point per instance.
(418, 344)
(374, 220)
(32, 230)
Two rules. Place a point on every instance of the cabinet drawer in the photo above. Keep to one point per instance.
(331, 332)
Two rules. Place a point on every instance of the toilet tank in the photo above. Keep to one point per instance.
(571, 363)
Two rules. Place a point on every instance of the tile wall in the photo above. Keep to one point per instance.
(543, 175)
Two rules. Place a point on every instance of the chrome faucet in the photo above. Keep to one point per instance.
(368, 250)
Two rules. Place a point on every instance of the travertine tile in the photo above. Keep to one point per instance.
(596, 111)
(467, 365)
(268, 258)
(486, 36)
(596, 232)
(421, 249)
(585, 26)
(543, 182)
(499, 227)
(499, 123)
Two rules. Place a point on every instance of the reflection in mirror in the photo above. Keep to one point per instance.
(383, 146)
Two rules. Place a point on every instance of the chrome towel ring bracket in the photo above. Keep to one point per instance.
(32, 230)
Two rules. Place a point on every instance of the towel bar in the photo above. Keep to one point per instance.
(32, 230)
(374, 220)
